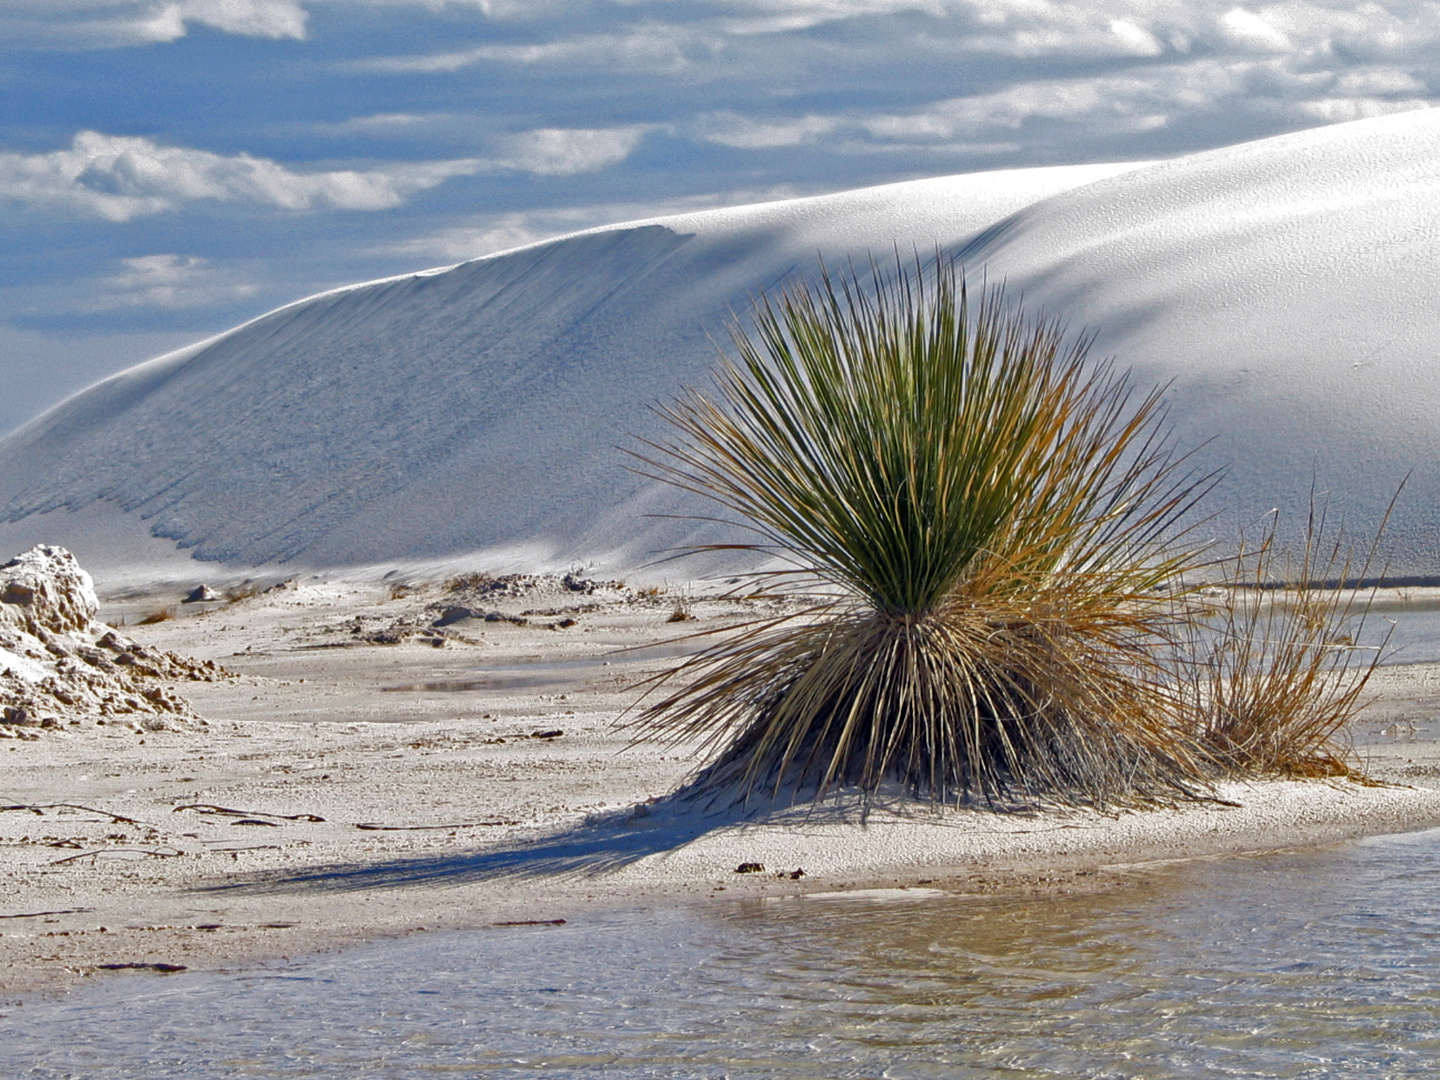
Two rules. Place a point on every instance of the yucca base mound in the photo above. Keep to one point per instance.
(391, 758)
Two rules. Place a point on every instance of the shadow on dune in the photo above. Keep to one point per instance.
(599, 846)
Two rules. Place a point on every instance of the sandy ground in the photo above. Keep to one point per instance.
(364, 774)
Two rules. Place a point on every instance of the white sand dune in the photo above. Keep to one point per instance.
(1285, 286)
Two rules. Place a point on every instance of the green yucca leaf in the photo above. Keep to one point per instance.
(886, 439)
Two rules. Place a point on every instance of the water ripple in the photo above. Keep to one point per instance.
(1295, 966)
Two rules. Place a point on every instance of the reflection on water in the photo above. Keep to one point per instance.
(1316, 964)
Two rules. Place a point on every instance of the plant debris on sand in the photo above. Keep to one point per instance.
(989, 520)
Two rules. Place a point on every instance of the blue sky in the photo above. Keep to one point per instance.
(169, 168)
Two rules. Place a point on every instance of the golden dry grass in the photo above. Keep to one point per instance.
(1276, 668)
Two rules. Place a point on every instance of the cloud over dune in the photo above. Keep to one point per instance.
(171, 281)
(120, 177)
(555, 152)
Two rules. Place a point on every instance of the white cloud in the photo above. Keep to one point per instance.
(1338, 110)
(123, 177)
(1366, 30)
(1252, 31)
(1117, 103)
(490, 9)
(1379, 81)
(119, 178)
(380, 123)
(139, 22)
(647, 48)
(173, 282)
(732, 129)
(562, 152)
(1139, 41)
(542, 151)
(254, 18)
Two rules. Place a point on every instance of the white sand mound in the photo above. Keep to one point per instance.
(1287, 286)
(58, 664)
(1284, 286)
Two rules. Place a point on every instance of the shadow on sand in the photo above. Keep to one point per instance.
(601, 845)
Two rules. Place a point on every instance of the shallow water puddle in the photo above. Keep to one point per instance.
(1312, 964)
(1416, 637)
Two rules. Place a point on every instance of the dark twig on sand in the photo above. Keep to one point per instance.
(373, 827)
(40, 808)
(155, 853)
(225, 811)
(532, 922)
(162, 968)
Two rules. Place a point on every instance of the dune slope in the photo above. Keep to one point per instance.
(477, 406)
(1283, 287)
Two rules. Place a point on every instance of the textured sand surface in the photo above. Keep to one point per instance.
(346, 788)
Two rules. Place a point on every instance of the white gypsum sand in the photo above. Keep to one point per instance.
(1282, 288)
(470, 416)
(348, 788)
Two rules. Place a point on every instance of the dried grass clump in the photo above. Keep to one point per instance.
(476, 579)
(986, 515)
(1277, 670)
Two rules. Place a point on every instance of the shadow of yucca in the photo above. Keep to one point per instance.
(586, 851)
(601, 845)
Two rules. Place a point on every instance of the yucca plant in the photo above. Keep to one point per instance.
(986, 519)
